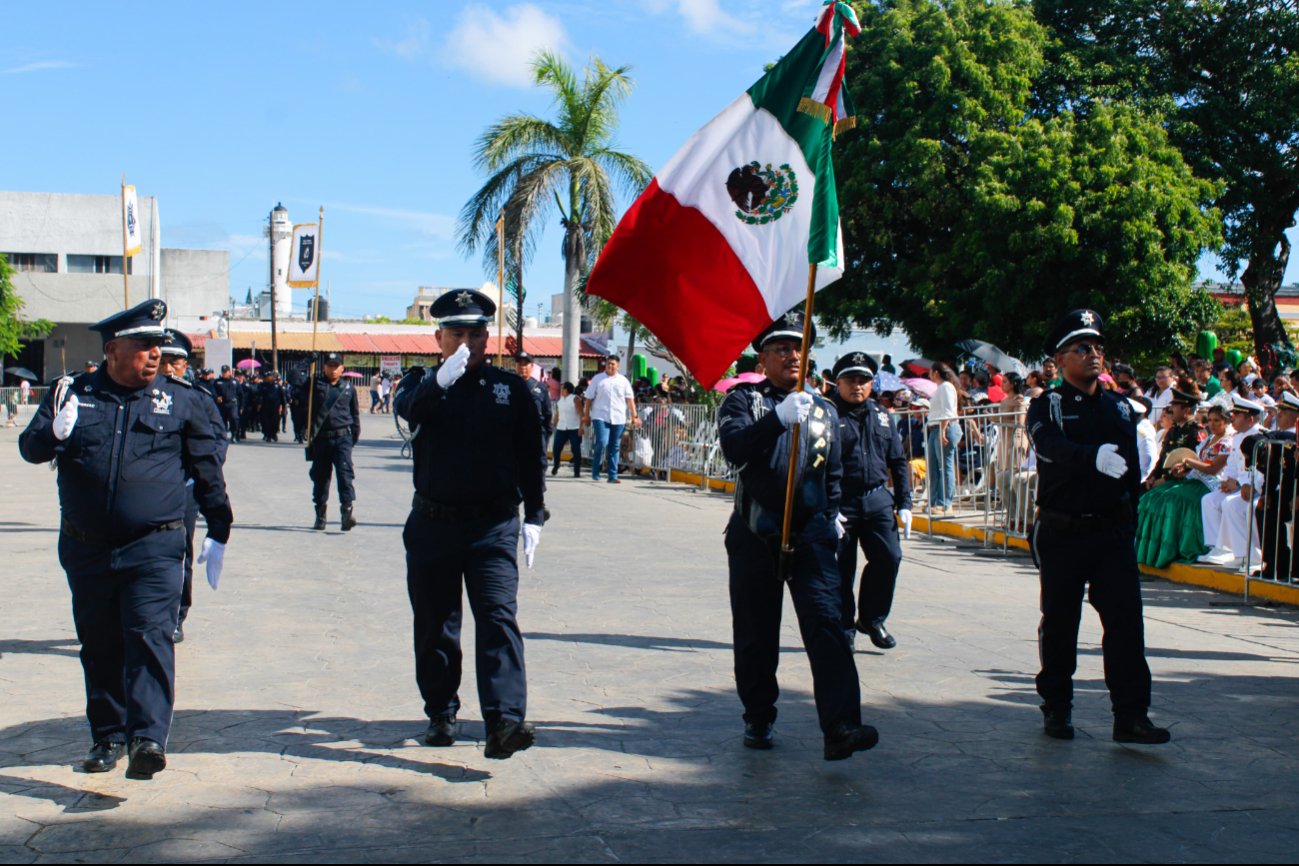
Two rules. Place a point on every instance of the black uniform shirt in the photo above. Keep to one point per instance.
(479, 442)
(541, 396)
(753, 439)
(344, 413)
(227, 391)
(1068, 427)
(213, 412)
(122, 470)
(872, 452)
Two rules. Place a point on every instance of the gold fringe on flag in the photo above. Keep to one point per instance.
(819, 110)
(844, 125)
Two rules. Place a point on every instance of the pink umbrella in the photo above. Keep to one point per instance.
(727, 384)
(353, 376)
(247, 364)
(924, 387)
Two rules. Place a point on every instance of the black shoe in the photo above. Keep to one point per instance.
(845, 739)
(507, 737)
(877, 633)
(759, 735)
(1057, 724)
(320, 516)
(103, 756)
(147, 758)
(554, 472)
(1141, 731)
(348, 520)
(178, 636)
(442, 730)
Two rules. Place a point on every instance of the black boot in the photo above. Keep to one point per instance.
(1057, 724)
(348, 520)
(320, 516)
(1140, 730)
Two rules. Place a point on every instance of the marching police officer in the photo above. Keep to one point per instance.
(755, 424)
(227, 397)
(1089, 479)
(872, 454)
(270, 399)
(125, 439)
(335, 428)
(174, 363)
(523, 364)
(477, 453)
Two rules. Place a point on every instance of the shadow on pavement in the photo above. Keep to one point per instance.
(66, 647)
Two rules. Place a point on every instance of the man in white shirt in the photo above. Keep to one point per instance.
(1163, 394)
(1227, 511)
(610, 403)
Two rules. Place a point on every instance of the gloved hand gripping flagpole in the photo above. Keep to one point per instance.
(796, 432)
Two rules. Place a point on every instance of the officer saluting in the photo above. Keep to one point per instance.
(477, 451)
(173, 363)
(335, 428)
(872, 454)
(126, 439)
(1089, 479)
(754, 423)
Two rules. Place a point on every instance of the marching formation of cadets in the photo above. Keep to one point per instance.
(140, 452)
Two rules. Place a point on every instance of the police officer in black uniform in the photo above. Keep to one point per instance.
(174, 363)
(227, 397)
(755, 424)
(872, 455)
(126, 439)
(335, 428)
(298, 403)
(477, 453)
(270, 400)
(1089, 479)
(540, 395)
(1276, 476)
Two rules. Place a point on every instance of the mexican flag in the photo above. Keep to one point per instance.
(718, 246)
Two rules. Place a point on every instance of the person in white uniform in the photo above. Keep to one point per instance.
(1228, 511)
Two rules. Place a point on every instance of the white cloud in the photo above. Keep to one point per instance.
(706, 17)
(414, 45)
(40, 66)
(499, 47)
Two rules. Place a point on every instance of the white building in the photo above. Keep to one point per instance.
(66, 250)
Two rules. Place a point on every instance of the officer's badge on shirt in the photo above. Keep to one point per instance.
(161, 403)
(1125, 410)
(502, 391)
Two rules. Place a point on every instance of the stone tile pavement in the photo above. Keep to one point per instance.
(297, 720)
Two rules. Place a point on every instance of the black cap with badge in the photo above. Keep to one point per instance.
(463, 308)
(141, 322)
(787, 327)
(855, 364)
(1078, 325)
(177, 344)
(333, 358)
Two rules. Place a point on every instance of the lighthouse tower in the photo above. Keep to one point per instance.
(280, 234)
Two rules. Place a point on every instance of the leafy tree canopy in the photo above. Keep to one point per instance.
(14, 329)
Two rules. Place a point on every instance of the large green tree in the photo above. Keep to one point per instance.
(1226, 73)
(969, 212)
(14, 329)
(570, 165)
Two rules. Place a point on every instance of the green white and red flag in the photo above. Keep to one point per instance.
(718, 246)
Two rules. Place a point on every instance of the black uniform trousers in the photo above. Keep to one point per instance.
(125, 602)
(1279, 562)
(876, 532)
(230, 414)
(298, 412)
(271, 425)
(1103, 562)
(330, 457)
(482, 556)
(757, 598)
(191, 525)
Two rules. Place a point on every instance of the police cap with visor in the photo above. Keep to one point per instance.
(176, 344)
(787, 327)
(141, 322)
(855, 364)
(1078, 325)
(463, 308)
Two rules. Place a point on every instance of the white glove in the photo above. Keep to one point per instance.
(1110, 462)
(905, 515)
(840, 525)
(214, 554)
(531, 538)
(795, 408)
(66, 419)
(454, 367)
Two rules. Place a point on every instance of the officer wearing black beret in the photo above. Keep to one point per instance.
(126, 439)
(335, 429)
(523, 365)
(872, 455)
(754, 424)
(174, 363)
(1089, 480)
(478, 452)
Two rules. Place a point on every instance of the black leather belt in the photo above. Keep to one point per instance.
(452, 513)
(1059, 520)
(71, 530)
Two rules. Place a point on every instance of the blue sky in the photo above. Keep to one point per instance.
(222, 110)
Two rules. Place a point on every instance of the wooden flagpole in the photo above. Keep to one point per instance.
(500, 286)
(315, 327)
(126, 280)
(786, 549)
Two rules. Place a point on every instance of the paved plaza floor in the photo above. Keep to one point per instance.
(297, 721)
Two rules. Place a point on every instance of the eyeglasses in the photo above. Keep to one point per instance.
(784, 350)
(1085, 349)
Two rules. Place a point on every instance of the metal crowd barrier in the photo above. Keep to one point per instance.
(13, 410)
(1272, 518)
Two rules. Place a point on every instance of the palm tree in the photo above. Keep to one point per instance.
(570, 165)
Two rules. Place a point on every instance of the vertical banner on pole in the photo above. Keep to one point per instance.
(133, 233)
(304, 256)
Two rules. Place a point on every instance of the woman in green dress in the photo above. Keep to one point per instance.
(1170, 526)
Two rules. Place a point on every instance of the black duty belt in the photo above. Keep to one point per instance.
(335, 435)
(71, 530)
(1059, 520)
(453, 513)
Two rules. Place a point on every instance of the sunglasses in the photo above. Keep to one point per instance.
(1085, 349)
